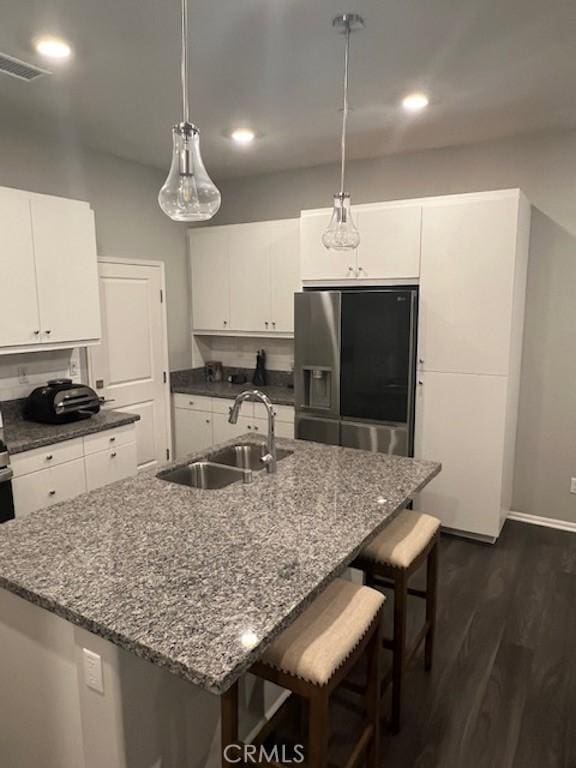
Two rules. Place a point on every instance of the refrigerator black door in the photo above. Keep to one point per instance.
(377, 355)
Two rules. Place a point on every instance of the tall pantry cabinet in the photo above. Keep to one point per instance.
(472, 291)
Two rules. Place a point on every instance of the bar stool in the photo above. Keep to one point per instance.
(390, 560)
(313, 656)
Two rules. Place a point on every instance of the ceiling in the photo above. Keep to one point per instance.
(493, 68)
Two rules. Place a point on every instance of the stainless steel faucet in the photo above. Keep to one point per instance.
(255, 395)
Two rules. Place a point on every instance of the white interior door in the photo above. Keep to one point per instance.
(130, 367)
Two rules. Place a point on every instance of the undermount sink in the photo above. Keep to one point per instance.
(246, 456)
(207, 475)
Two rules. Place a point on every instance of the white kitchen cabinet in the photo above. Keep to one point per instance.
(54, 473)
(210, 275)
(66, 269)
(49, 486)
(250, 277)
(284, 275)
(18, 298)
(469, 269)
(390, 235)
(390, 239)
(316, 262)
(110, 465)
(48, 264)
(244, 277)
(223, 430)
(192, 430)
(461, 423)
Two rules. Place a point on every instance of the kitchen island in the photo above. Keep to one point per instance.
(198, 582)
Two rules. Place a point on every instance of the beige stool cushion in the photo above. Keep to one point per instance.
(402, 540)
(328, 631)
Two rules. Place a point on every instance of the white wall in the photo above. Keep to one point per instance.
(123, 195)
(544, 167)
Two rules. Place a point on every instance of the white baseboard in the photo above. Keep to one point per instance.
(546, 522)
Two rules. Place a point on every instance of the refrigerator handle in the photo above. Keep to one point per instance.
(412, 368)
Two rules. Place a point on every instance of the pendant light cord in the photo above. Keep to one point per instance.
(184, 63)
(345, 111)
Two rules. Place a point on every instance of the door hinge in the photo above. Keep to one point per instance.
(164, 376)
(168, 453)
(161, 296)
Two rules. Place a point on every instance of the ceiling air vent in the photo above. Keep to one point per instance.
(20, 69)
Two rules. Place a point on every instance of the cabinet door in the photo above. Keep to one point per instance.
(466, 287)
(67, 481)
(110, 466)
(284, 275)
(223, 430)
(250, 277)
(18, 296)
(317, 263)
(192, 431)
(48, 486)
(66, 269)
(389, 242)
(209, 259)
(460, 421)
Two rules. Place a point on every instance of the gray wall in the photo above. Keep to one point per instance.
(123, 194)
(545, 168)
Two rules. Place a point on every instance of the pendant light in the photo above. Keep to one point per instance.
(342, 234)
(188, 194)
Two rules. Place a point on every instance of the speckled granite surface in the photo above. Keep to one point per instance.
(193, 382)
(188, 579)
(21, 435)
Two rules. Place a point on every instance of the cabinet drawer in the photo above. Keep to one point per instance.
(222, 405)
(192, 402)
(282, 412)
(110, 438)
(46, 457)
(285, 429)
(49, 486)
(111, 465)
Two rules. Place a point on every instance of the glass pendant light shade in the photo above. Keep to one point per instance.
(341, 234)
(188, 194)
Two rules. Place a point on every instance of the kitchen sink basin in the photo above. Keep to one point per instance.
(246, 456)
(208, 475)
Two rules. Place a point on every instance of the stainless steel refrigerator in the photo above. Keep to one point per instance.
(354, 368)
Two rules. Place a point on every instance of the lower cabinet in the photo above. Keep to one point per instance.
(201, 422)
(55, 473)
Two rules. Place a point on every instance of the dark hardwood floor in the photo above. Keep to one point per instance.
(502, 693)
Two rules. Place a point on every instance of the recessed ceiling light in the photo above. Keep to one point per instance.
(53, 48)
(243, 136)
(414, 102)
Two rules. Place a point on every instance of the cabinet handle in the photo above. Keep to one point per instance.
(421, 360)
(360, 269)
(273, 324)
(266, 324)
(256, 429)
(207, 421)
(49, 457)
(190, 402)
(249, 426)
(112, 439)
(420, 383)
(113, 454)
(36, 333)
(48, 332)
(350, 269)
(51, 493)
(225, 322)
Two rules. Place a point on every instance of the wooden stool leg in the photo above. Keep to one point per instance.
(399, 644)
(373, 695)
(318, 730)
(229, 722)
(431, 600)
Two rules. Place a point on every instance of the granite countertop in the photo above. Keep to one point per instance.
(21, 435)
(278, 395)
(193, 382)
(199, 582)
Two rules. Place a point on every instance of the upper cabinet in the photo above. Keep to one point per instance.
(390, 239)
(471, 282)
(244, 277)
(49, 287)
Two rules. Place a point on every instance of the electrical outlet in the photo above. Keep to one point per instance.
(93, 670)
(22, 375)
(573, 485)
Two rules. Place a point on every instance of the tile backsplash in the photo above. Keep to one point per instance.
(21, 373)
(240, 352)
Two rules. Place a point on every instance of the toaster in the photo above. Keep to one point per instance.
(61, 401)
